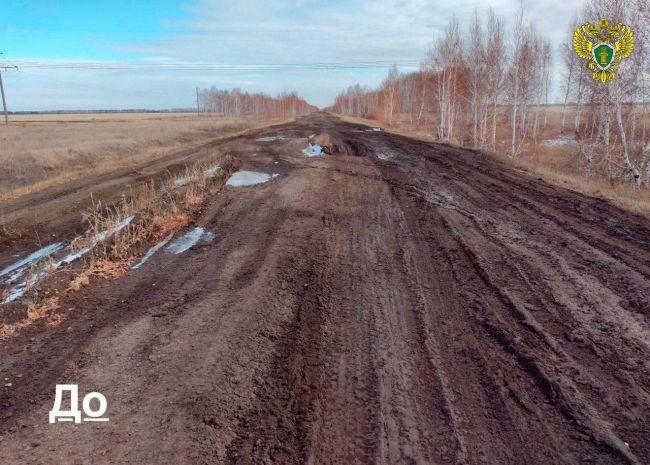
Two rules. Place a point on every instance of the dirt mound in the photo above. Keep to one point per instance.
(332, 143)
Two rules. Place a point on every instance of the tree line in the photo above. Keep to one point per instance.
(487, 86)
(237, 103)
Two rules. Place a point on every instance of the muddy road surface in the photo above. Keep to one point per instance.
(399, 303)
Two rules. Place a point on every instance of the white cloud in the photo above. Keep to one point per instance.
(259, 32)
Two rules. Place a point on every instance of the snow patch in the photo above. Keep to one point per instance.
(186, 241)
(212, 171)
(270, 138)
(384, 156)
(152, 251)
(314, 150)
(558, 142)
(209, 172)
(18, 291)
(249, 178)
(208, 237)
(15, 294)
(22, 264)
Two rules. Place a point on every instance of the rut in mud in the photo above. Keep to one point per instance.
(400, 303)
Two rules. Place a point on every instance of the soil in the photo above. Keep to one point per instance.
(409, 303)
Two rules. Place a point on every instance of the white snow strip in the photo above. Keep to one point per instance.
(208, 237)
(152, 251)
(93, 242)
(209, 172)
(212, 171)
(19, 290)
(314, 150)
(186, 241)
(558, 142)
(178, 182)
(15, 294)
(270, 138)
(32, 258)
(249, 178)
(384, 156)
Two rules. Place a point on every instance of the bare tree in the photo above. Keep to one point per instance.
(390, 88)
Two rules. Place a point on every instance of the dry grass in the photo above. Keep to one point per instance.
(37, 151)
(157, 211)
(37, 309)
(636, 200)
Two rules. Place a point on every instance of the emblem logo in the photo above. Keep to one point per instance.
(604, 45)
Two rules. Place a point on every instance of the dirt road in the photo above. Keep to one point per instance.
(407, 304)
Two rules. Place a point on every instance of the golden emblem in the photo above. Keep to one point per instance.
(604, 45)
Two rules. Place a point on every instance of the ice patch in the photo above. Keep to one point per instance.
(373, 130)
(18, 291)
(314, 150)
(15, 294)
(93, 242)
(32, 258)
(384, 156)
(186, 241)
(558, 142)
(152, 251)
(270, 138)
(208, 237)
(249, 178)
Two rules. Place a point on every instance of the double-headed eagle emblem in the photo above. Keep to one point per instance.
(604, 45)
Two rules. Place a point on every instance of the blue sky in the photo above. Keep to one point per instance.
(62, 34)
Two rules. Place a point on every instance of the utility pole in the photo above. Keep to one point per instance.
(2, 91)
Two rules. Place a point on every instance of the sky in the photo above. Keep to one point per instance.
(153, 54)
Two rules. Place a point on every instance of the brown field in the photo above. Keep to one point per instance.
(37, 151)
(560, 165)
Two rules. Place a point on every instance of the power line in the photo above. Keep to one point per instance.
(174, 66)
(2, 91)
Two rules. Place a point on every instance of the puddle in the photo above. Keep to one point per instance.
(20, 266)
(314, 150)
(152, 251)
(270, 138)
(249, 178)
(186, 241)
